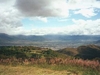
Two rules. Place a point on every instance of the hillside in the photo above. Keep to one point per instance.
(84, 52)
(28, 52)
(89, 52)
(21, 60)
(69, 51)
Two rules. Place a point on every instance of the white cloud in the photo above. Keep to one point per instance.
(84, 7)
(43, 31)
(43, 8)
(42, 19)
(86, 12)
(88, 27)
(83, 4)
(9, 18)
(56, 8)
(80, 27)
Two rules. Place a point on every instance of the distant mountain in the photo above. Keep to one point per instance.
(29, 38)
(58, 41)
(98, 41)
(5, 37)
(73, 37)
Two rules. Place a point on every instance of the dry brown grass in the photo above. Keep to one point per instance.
(94, 64)
(25, 70)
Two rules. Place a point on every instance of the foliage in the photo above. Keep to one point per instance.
(27, 52)
(47, 58)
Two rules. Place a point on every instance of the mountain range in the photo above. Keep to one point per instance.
(49, 40)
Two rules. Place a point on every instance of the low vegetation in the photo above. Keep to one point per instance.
(84, 52)
(69, 61)
(31, 70)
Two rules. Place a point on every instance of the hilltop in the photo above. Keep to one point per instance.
(84, 52)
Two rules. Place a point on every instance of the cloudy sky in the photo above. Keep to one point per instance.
(40, 17)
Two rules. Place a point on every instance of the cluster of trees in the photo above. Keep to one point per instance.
(27, 52)
(12, 51)
(84, 52)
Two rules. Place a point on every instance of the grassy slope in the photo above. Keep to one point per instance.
(69, 51)
(25, 70)
(84, 52)
(48, 69)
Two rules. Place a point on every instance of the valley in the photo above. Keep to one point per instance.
(55, 42)
(49, 54)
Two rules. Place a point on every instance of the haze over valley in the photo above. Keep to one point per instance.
(49, 41)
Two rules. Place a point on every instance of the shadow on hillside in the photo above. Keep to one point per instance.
(88, 52)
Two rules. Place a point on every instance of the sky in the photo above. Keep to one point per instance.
(42, 17)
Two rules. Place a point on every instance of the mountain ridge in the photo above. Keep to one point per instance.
(59, 41)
